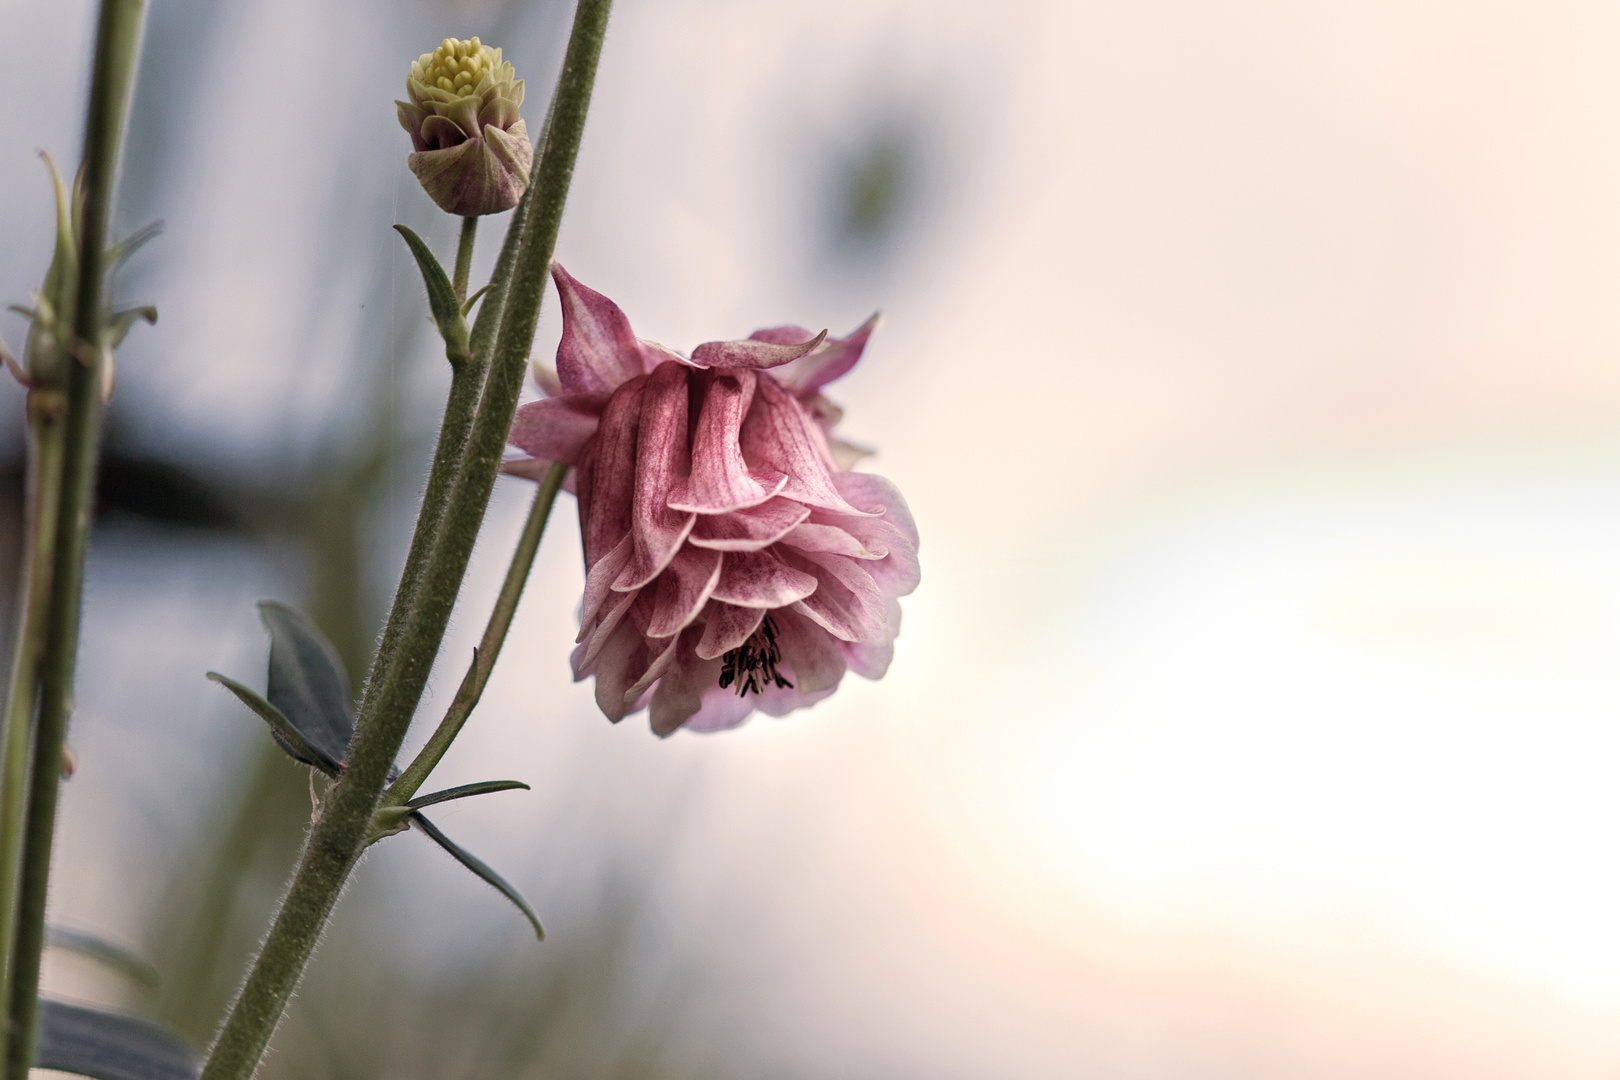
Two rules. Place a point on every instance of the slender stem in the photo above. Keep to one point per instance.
(117, 34)
(464, 252)
(466, 384)
(335, 843)
(489, 647)
(44, 484)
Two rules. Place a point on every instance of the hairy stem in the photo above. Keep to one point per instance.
(335, 843)
(489, 647)
(117, 33)
(43, 492)
(464, 252)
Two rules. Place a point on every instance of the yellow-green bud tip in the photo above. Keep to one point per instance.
(457, 66)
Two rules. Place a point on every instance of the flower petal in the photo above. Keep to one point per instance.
(748, 530)
(595, 634)
(720, 710)
(598, 350)
(726, 627)
(750, 353)
(812, 654)
(664, 654)
(781, 700)
(778, 435)
(758, 579)
(557, 428)
(833, 540)
(833, 359)
(440, 133)
(661, 456)
(720, 479)
(682, 590)
(847, 602)
(606, 492)
(599, 581)
(623, 660)
(876, 495)
(680, 691)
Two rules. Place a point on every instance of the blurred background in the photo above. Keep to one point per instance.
(1252, 368)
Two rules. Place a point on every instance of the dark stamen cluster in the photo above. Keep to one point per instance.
(752, 665)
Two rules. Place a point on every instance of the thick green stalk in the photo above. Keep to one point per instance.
(464, 252)
(336, 841)
(489, 647)
(44, 482)
(117, 34)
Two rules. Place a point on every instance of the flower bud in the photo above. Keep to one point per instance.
(472, 150)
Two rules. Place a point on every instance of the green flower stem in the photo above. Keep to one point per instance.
(336, 841)
(466, 384)
(45, 446)
(117, 34)
(464, 252)
(489, 648)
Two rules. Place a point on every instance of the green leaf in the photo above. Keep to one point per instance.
(112, 334)
(290, 738)
(109, 1046)
(116, 957)
(478, 867)
(120, 252)
(307, 682)
(473, 299)
(441, 295)
(466, 791)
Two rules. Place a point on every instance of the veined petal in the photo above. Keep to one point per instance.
(557, 428)
(599, 582)
(847, 602)
(661, 456)
(748, 530)
(664, 653)
(623, 660)
(680, 691)
(598, 350)
(595, 634)
(778, 435)
(682, 590)
(758, 579)
(833, 540)
(833, 359)
(780, 700)
(720, 479)
(809, 651)
(750, 353)
(876, 495)
(726, 627)
(605, 515)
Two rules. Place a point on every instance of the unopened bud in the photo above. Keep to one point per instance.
(472, 151)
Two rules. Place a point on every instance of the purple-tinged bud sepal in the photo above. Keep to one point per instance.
(472, 151)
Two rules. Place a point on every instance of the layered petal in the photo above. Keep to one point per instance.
(831, 360)
(751, 529)
(661, 456)
(752, 353)
(598, 350)
(558, 428)
(721, 480)
(759, 579)
(778, 435)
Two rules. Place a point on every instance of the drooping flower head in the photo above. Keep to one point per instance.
(731, 563)
(472, 150)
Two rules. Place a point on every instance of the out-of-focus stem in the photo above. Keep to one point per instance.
(43, 492)
(489, 647)
(117, 34)
(399, 678)
(464, 252)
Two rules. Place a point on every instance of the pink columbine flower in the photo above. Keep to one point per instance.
(731, 563)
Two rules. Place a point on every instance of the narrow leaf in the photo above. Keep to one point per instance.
(441, 294)
(478, 867)
(466, 791)
(307, 682)
(108, 1046)
(120, 252)
(290, 738)
(473, 299)
(116, 957)
(120, 322)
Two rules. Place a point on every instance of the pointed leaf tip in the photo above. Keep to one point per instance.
(465, 791)
(287, 736)
(442, 303)
(478, 867)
